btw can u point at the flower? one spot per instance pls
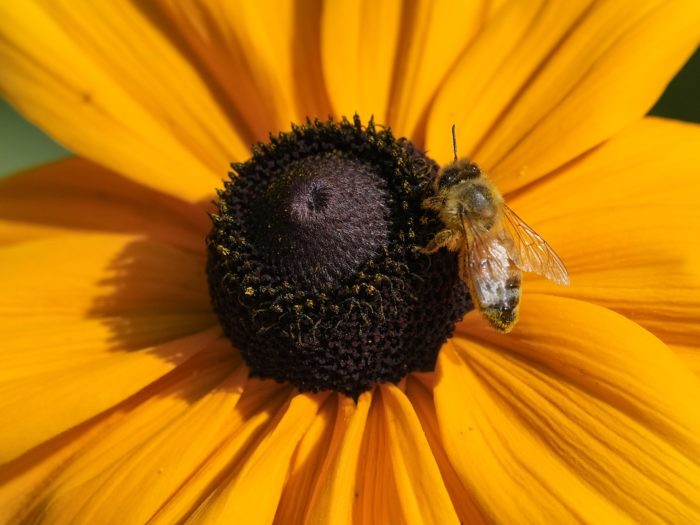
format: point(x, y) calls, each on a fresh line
point(122, 402)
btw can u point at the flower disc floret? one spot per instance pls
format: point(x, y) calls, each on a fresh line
point(314, 267)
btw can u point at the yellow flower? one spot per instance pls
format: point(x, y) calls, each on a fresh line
point(123, 403)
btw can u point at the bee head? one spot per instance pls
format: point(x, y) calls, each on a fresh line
point(456, 172)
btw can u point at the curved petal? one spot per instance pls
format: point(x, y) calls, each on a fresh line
point(38, 407)
point(246, 427)
point(306, 464)
point(690, 354)
point(100, 275)
point(421, 490)
point(262, 57)
point(624, 218)
point(76, 194)
point(333, 496)
point(376, 499)
point(359, 44)
point(239, 497)
point(433, 34)
point(107, 83)
point(91, 319)
point(570, 75)
point(155, 446)
point(474, 93)
point(422, 400)
point(595, 416)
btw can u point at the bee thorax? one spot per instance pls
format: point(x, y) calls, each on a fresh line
point(477, 201)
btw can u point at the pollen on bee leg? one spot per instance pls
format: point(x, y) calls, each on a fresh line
point(442, 238)
point(433, 203)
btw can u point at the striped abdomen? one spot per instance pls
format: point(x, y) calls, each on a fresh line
point(494, 281)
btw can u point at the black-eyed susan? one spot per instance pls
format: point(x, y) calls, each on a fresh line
point(123, 402)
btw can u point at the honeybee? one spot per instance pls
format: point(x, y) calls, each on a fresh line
point(495, 246)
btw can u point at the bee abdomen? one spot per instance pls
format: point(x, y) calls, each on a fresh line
point(503, 314)
point(502, 320)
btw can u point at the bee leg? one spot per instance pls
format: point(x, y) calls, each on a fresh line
point(433, 203)
point(442, 238)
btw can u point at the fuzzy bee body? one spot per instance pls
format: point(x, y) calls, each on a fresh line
point(495, 246)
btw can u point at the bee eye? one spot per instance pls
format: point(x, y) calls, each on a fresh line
point(449, 178)
point(473, 170)
point(458, 172)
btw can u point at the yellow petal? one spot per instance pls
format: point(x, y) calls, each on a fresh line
point(246, 427)
point(575, 76)
point(76, 194)
point(67, 344)
point(240, 496)
point(421, 491)
point(462, 500)
point(39, 406)
point(91, 319)
point(311, 87)
point(359, 44)
point(12, 231)
point(333, 496)
point(306, 464)
point(590, 412)
point(623, 218)
point(376, 499)
point(433, 35)
point(95, 275)
point(487, 76)
point(23, 479)
point(261, 57)
point(130, 470)
point(106, 81)
point(689, 354)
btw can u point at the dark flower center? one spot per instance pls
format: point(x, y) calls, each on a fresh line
point(314, 268)
point(321, 218)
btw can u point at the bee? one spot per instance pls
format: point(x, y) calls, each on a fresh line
point(495, 246)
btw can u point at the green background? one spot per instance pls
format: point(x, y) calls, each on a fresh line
point(23, 145)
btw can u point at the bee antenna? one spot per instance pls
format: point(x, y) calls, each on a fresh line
point(454, 141)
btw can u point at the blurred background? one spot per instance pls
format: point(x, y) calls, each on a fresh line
point(22, 145)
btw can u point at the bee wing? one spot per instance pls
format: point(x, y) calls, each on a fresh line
point(532, 252)
point(489, 262)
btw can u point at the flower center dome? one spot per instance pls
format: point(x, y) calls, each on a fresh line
point(314, 264)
